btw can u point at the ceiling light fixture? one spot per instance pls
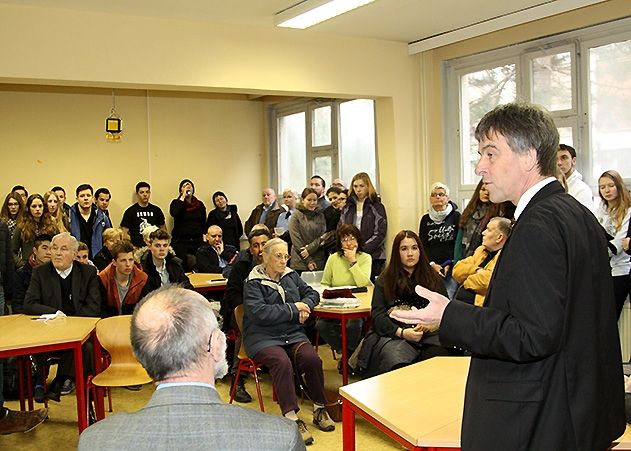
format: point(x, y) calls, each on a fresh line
point(311, 12)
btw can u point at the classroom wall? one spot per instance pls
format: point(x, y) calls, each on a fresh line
point(55, 136)
point(56, 47)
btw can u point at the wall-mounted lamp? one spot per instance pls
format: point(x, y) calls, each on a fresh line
point(113, 123)
point(311, 12)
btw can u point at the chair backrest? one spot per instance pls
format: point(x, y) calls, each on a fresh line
point(114, 334)
point(238, 317)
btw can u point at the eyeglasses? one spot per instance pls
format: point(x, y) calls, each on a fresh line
point(348, 239)
point(438, 195)
point(13, 204)
point(281, 256)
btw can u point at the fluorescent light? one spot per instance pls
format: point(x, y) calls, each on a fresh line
point(311, 12)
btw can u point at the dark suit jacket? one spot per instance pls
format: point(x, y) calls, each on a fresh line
point(191, 418)
point(44, 292)
point(545, 372)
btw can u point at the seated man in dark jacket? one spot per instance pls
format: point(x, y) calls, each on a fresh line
point(123, 282)
point(214, 256)
point(72, 288)
point(160, 265)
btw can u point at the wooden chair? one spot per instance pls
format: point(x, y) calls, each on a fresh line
point(124, 370)
point(245, 362)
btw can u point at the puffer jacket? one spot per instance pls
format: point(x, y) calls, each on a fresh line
point(271, 317)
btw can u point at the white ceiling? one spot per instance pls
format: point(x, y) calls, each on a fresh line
point(395, 20)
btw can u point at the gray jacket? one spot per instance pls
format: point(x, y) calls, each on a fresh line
point(306, 229)
point(271, 317)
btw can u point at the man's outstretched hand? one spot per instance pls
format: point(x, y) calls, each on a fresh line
point(432, 314)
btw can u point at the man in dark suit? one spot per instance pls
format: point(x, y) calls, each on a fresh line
point(175, 335)
point(545, 371)
point(70, 288)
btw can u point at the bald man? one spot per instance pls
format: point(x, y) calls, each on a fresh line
point(266, 212)
point(175, 336)
point(214, 256)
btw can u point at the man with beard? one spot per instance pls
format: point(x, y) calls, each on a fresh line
point(175, 335)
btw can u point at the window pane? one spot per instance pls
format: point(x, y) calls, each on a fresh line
point(322, 167)
point(292, 159)
point(565, 136)
point(552, 81)
point(321, 126)
point(481, 92)
point(609, 100)
point(357, 139)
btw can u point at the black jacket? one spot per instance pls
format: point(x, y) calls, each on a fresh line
point(7, 264)
point(174, 268)
point(208, 259)
point(44, 292)
point(231, 227)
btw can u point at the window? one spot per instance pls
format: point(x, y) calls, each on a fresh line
point(583, 78)
point(329, 138)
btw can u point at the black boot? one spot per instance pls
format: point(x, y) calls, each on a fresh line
point(240, 394)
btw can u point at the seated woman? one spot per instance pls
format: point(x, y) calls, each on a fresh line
point(348, 266)
point(389, 344)
point(276, 303)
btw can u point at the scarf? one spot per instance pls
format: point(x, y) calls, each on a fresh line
point(194, 205)
point(439, 216)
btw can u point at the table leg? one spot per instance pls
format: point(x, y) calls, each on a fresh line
point(80, 391)
point(21, 382)
point(29, 381)
point(348, 426)
point(99, 405)
point(344, 353)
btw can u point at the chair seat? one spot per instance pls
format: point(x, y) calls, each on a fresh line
point(122, 376)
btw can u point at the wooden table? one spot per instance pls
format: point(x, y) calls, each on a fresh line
point(624, 442)
point(344, 314)
point(419, 406)
point(22, 335)
point(203, 281)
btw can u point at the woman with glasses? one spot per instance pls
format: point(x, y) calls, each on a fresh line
point(306, 227)
point(33, 221)
point(438, 229)
point(277, 302)
point(613, 213)
point(11, 209)
point(365, 210)
point(349, 266)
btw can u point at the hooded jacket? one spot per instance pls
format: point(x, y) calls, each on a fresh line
point(111, 304)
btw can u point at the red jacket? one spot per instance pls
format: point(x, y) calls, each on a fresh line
point(109, 292)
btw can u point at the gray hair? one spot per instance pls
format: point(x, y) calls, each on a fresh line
point(524, 126)
point(74, 244)
point(504, 225)
point(267, 249)
point(293, 191)
point(171, 330)
point(439, 185)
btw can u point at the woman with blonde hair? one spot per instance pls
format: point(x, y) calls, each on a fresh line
point(56, 212)
point(613, 214)
point(365, 210)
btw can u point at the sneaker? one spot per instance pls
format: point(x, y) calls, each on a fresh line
point(304, 432)
point(38, 393)
point(67, 387)
point(22, 421)
point(322, 419)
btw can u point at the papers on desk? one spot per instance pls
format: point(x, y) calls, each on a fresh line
point(216, 281)
point(49, 316)
point(339, 303)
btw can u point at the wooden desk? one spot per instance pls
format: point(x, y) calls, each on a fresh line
point(624, 442)
point(344, 314)
point(420, 406)
point(21, 335)
point(202, 281)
